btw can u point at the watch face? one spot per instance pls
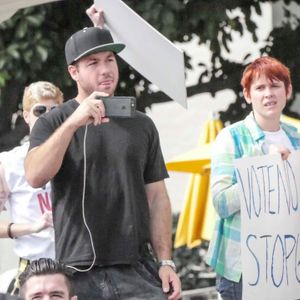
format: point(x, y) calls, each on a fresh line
point(166, 262)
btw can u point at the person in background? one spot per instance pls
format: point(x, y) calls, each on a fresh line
point(30, 222)
point(266, 86)
point(111, 207)
point(45, 279)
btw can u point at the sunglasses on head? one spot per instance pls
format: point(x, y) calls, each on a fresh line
point(40, 109)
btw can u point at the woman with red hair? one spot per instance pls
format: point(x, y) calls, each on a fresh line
point(266, 86)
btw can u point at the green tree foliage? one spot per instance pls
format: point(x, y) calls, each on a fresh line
point(32, 48)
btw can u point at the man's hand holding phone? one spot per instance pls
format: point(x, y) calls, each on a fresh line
point(90, 110)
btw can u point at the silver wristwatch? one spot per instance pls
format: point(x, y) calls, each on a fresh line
point(167, 262)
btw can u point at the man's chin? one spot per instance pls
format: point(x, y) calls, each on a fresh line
point(108, 91)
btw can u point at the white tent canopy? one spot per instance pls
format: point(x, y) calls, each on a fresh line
point(9, 7)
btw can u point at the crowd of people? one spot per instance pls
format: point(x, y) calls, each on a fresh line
point(104, 229)
point(110, 207)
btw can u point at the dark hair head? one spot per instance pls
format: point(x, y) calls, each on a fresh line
point(88, 41)
point(47, 266)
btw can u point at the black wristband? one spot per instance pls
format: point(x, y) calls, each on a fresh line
point(9, 230)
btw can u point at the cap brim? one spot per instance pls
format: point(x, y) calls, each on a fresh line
point(113, 47)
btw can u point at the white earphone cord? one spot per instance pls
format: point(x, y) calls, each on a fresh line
point(83, 208)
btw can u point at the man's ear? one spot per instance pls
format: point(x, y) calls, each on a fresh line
point(247, 96)
point(26, 116)
point(73, 71)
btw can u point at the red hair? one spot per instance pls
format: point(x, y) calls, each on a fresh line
point(272, 68)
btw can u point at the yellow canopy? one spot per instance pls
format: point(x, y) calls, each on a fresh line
point(193, 161)
point(293, 121)
point(197, 219)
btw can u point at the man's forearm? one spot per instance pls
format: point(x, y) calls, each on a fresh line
point(161, 232)
point(43, 162)
point(161, 223)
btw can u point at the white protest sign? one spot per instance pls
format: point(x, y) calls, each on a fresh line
point(147, 50)
point(269, 190)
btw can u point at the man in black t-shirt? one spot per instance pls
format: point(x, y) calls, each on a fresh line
point(110, 204)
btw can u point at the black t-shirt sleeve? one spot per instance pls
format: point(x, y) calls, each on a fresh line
point(40, 132)
point(155, 168)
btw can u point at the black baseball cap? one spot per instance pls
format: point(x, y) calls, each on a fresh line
point(90, 40)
